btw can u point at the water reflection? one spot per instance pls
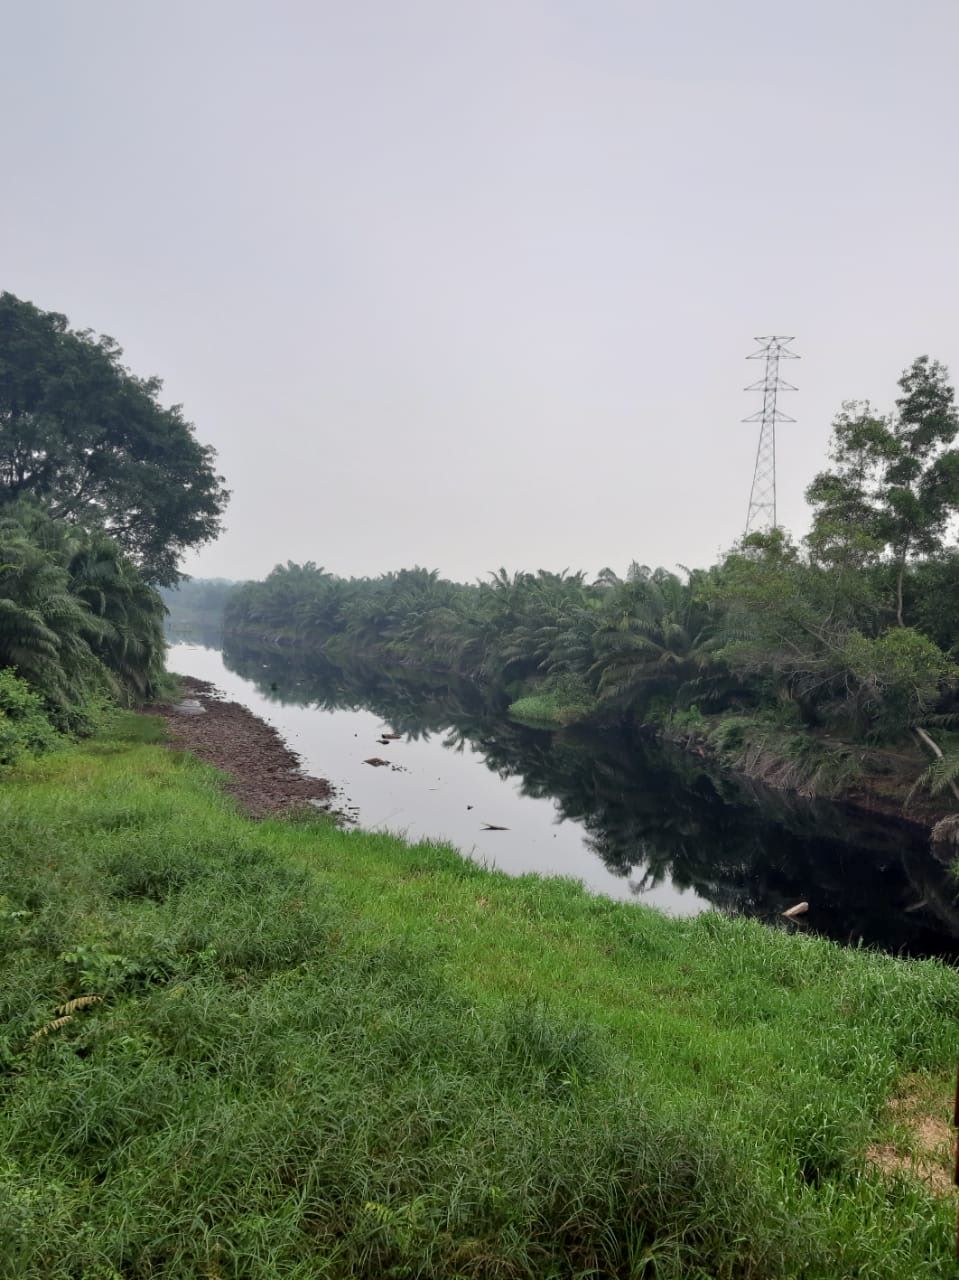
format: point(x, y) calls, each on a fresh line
point(657, 815)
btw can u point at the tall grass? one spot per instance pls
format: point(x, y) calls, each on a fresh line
point(321, 1053)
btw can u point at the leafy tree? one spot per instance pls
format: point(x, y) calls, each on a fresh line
point(774, 628)
point(809, 634)
point(894, 485)
point(932, 599)
point(896, 678)
point(84, 435)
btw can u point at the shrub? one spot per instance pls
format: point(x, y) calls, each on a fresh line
point(24, 727)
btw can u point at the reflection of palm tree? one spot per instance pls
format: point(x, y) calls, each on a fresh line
point(653, 813)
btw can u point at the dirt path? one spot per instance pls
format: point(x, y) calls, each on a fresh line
point(263, 773)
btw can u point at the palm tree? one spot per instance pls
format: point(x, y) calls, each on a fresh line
point(46, 632)
point(653, 640)
point(130, 643)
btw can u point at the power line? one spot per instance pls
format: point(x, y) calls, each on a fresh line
point(762, 497)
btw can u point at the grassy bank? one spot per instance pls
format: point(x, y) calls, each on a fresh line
point(781, 755)
point(241, 1050)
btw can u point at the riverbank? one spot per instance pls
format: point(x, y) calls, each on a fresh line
point(805, 762)
point(863, 778)
point(634, 818)
point(259, 768)
point(757, 747)
point(280, 1048)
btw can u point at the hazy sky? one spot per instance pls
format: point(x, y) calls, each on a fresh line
point(466, 284)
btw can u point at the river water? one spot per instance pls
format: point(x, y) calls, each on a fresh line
point(629, 820)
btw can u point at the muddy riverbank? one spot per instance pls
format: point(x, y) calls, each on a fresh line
point(263, 773)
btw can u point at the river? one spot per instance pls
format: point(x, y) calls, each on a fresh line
point(628, 819)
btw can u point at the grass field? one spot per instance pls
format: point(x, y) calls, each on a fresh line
point(234, 1050)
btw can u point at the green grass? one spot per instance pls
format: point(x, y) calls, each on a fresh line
point(327, 1053)
point(543, 709)
point(556, 701)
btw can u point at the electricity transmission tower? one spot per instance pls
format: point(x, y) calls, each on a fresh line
point(762, 498)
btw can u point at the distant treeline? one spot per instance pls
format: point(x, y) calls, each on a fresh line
point(851, 635)
point(196, 605)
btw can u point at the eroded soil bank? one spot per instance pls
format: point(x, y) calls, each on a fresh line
point(262, 772)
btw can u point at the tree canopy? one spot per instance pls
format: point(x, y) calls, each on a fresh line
point(894, 485)
point(89, 439)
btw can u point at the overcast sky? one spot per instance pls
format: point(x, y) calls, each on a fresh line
point(469, 284)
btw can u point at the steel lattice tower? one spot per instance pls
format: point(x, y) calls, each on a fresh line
point(762, 498)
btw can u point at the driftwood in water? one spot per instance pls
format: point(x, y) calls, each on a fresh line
point(799, 909)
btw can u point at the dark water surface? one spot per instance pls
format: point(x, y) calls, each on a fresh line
point(629, 819)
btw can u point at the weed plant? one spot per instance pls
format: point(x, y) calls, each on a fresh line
point(792, 759)
point(25, 728)
point(285, 1050)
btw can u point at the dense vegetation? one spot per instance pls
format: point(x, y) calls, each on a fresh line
point(285, 1050)
point(100, 491)
point(79, 629)
point(80, 433)
point(653, 811)
point(849, 639)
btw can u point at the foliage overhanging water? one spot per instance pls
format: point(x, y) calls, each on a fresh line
point(630, 819)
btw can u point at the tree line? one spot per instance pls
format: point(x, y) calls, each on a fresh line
point(850, 633)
